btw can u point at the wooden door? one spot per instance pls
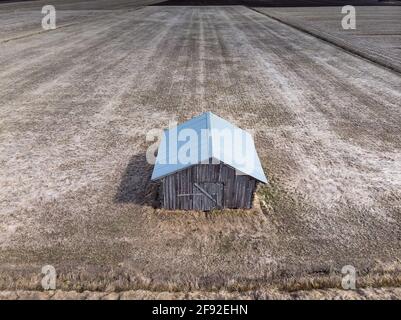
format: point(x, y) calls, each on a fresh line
point(209, 196)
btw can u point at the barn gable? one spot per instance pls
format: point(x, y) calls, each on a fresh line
point(206, 187)
point(207, 137)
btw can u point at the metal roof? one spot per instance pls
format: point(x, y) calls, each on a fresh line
point(206, 137)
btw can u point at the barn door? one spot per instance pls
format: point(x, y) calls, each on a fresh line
point(210, 196)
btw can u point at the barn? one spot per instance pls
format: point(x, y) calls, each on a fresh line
point(207, 163)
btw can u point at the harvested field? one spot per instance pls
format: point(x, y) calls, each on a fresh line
point(76, 106)
point(377, 35)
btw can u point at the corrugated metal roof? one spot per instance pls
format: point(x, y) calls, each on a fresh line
point(203, 138)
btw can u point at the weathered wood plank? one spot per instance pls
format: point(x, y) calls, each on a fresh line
point(232, 190)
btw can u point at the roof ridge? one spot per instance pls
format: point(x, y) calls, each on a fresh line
point(209, 131)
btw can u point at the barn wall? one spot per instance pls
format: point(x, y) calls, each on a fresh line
point(238, 189)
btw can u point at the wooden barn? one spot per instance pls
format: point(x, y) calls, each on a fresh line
point(207, 163)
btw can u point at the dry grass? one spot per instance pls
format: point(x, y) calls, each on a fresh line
point(270, 294)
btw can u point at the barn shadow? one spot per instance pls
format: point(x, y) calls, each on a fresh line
point(136, 186)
